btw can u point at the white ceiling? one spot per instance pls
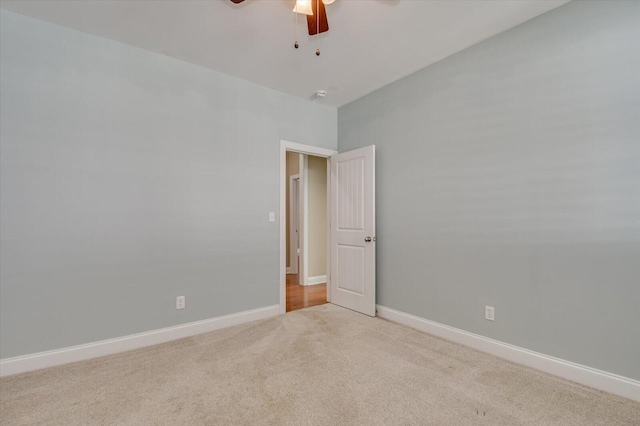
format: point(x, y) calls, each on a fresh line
point(371, 43)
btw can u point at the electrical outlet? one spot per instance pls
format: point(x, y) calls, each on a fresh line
point(489, 313)
point(180, 302)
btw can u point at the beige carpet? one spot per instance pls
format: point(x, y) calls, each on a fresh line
point(319, 366)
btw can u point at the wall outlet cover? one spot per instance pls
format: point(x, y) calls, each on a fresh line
point(180, 302)
point(489, 313)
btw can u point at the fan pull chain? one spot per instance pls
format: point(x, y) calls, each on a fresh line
point(296, 45)
point(318, 23)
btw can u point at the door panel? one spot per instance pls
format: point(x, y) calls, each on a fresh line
point(353, 252)
point(350, 175)
point(351, 269)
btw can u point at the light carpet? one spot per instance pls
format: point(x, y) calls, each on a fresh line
point(319, 366)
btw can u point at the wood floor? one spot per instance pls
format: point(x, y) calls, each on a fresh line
point(304, 296)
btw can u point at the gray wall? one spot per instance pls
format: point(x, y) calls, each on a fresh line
point(129, 178)
point(509, 175)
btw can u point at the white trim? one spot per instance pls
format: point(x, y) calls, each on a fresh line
point(328, 265)
point(304, 149)
point(598, 379)
point(303, 275)
point(294, 221)
point(21, 364)
point(318, 279)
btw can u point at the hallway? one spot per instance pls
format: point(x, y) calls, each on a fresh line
point(304, 296)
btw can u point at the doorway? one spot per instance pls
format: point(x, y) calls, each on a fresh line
point(308, 285)
point(306, 230)
point(350, 227)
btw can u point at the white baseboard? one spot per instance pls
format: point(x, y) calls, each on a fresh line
point(598, 379)
point(21, 364)
point(318, 279)
point(289, 271)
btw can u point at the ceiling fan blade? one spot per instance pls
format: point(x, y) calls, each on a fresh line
point(319, 18)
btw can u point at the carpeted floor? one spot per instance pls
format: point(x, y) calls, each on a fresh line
point(318, 366)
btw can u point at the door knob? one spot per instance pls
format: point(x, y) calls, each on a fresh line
point(367, 239)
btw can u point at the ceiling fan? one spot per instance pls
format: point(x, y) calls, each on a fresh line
point(311, 8)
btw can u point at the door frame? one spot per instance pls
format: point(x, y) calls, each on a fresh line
point(309, 150)
point(294, 219)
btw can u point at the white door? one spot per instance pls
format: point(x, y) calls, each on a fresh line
point(353, 227)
